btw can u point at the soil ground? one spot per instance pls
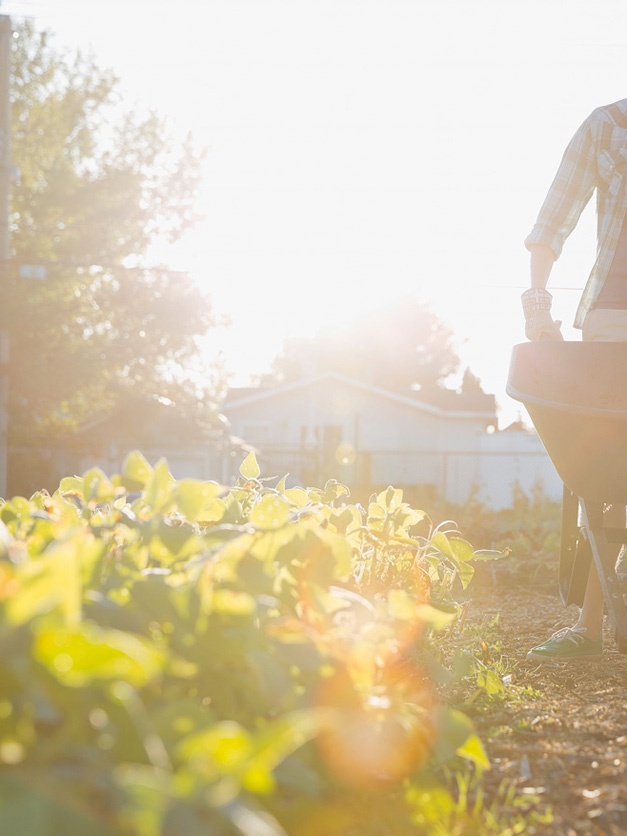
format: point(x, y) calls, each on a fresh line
point(559, 731)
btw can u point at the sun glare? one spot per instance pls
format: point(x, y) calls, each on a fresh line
point(361, 151)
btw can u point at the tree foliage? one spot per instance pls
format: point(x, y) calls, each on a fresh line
point(402, 346)
point(98, 185)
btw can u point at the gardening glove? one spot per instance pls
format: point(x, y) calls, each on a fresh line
point(539, 324)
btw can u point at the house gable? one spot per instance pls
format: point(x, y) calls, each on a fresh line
point(330, 409)
point(448, 404)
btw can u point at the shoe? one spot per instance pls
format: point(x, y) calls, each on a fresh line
point(569, 643)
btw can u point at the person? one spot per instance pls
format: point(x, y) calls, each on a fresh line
point(595, 160)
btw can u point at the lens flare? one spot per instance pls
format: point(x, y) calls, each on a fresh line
point(378, 740)
point(345, 454)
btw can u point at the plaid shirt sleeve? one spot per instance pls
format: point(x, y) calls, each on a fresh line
point(570, 191)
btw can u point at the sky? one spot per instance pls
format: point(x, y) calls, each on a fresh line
point(363, 151)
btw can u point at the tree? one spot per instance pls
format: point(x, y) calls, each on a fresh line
point(97, 186)
point(402, 347)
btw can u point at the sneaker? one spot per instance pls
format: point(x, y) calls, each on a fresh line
point(569, 643)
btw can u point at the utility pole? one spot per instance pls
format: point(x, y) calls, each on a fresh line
point(6, 35)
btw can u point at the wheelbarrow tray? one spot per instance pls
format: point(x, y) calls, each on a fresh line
point(576, 396)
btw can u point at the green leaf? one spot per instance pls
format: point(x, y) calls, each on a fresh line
point(334, 490)
point(466, 573)
point(434, 617)
point(192, 495)
point(52, 582)
point(277, 741)
point(159, 487)
point(432, 804)
point(390, 499)
point(89, 653)
point(175, 541)
point(223, 748)
point(297, 497)
point(232, 602)
point(455, 729)
point(462, 549)
point(410, 517)
point(442, 543)
point(249, 468)
point(97, 487)
point(341, 521)
point(270, 513)
point(257, 778)
point(490, 681)
point(72, 485)
point(213, 512)
point(474, 751)
point(491, 554)
point(136, 471)
point(376, 510)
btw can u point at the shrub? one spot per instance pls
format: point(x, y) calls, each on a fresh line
point(185, 657)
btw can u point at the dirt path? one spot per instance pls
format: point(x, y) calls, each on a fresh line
point(560, 730)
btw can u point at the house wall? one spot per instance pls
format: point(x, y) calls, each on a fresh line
point(515, 457)
point(334, 430)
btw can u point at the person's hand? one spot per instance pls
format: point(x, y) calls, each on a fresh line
point(539, 324)
point(542, 326)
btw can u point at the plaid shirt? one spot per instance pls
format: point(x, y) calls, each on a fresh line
point(596, 158)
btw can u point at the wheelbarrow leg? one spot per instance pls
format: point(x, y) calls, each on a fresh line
point(575, 555)
point(604, 559)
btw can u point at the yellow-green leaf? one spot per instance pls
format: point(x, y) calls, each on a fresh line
point(270, 513)
point(442, 543)
point(232, 602)
point(390, 499)
point(159, 487)
point(212, 512)
point(297, 497)
point(87, 653)
point(192, 495)
point(473, 751)
point(490, 681)
point(136, 469)
point(52, 582)
point(258, 779)
point(225, 747)
point(466, 573)
point(375, 512)
point(249, 468)
point(97, 486)
point(461, 549)
point(435, 618)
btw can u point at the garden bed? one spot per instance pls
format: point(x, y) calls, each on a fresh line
point(559, 732)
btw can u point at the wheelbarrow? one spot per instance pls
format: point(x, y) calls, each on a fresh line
point(576, 396)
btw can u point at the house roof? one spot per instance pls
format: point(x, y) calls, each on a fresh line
point(443, 403)
point(143, 421)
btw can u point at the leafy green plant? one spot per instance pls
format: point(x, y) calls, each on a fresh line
point(527, 534)
point(187, 657)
